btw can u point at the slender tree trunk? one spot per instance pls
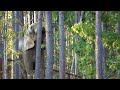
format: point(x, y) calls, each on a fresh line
point(31, 19)
point(118, 28)
point(21, 24)
point(38, 69)
point(62, 45)
point(16, 29)
point(35, 16)
point(99, 72)
point(118, 25)
point(49, 46)
point(77, 16)
point(81, 17)
point(1, 52)
point(28, 21)
point(1, 44)
point(104, 52)
point(5, 49)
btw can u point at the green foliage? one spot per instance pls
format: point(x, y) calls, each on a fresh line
point(111, 40)
point(110, 17)
point(84, 44)
point(85, 30)
point(69, 18)
point(85, 51)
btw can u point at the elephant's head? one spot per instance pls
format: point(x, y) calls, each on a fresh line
point(30, 36)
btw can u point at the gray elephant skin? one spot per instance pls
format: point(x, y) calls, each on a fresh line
point(27, 45)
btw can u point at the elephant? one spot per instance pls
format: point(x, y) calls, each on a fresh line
point(27, 45)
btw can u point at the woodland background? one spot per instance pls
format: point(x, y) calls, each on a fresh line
point(77, 44)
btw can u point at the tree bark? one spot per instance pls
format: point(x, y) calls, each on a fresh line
point(49, 46)
point(38, 64)
point(104, 51)
point(118, 25)
point(5, 48)
point(62, 45)
point(99, 72)
point(16, 29)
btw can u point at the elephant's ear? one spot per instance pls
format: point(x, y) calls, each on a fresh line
point(28, 43)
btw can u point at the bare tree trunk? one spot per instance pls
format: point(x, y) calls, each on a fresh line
point(99, 71)
point(104, 52)
point(31, 17)
point(1, 52)
point(77, 16)
point(75, 39)
point(118, 25)
point(16, 29)
point(81, 17)
point(21, 24)
point(38, 64)
point(49, 46)
point(118, 30)
point(5, 48)
point(1, 44)
point(35, 16)
point(62, 45)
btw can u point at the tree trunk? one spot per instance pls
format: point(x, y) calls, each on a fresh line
point(16, 29)
point(118, 30)
point(1, 52)
point(99, 72)
point(38, 64)
point(49, 46)
point(62, 45)
point(5, 49)
point(118, 25)
point(21, 24)
point(104, 52)
point(77, 16)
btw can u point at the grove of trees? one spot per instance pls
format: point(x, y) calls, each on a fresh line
point(59, 44)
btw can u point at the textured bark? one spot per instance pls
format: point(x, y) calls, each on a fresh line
point(38, 64)
point(99, 72)
point(21, 18)
point(35, 16)
point(5, 48)
point(62, 45)
point(31, 21)
point(118, 25)
point(81, 16)
point(118, 28)
point(1, 45)
point(16, 29)
point(49, 46)
point(22, 72)
point(1, 68)
point(104, 51)
point(77, 16)
point(1, 53)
